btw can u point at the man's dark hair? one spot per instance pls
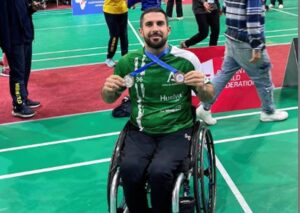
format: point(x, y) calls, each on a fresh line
point(153, 10)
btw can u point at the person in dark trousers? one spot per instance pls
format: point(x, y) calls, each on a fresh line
point(16, 36)
point(179, 11)
point(207, 14)
point(161, 118)
point(116, 16)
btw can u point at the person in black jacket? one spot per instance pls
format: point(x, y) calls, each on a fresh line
point(207, 14)
point(16, 36)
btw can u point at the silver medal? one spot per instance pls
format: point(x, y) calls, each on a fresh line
point(179, 77)
point(129, 81)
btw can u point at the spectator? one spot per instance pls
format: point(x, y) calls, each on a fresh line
point(245, 48)
point(207, 14)
point(16, 36)
point(116, 15)
point(179, 12)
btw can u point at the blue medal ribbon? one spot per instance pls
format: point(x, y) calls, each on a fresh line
point(141, 69)
point(161, 63)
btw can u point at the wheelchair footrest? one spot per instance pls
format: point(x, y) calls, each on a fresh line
point(186, 204)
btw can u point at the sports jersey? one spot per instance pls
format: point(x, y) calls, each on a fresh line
point(115, 6)
point(159, 104)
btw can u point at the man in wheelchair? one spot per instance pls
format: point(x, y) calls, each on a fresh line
point(160, 79)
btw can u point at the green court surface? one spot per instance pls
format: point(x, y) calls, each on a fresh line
point(60, 164)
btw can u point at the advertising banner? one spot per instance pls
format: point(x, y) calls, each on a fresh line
point(239, 93)
point(83, 7)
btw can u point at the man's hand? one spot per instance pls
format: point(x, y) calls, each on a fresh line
point(207, 7)
point(194, 78)
point(198, 80)
point(256, 55)
point(37, 6)
point(112, 88)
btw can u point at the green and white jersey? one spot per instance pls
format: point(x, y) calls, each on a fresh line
point(159, 104)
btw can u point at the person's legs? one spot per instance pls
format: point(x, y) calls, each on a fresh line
point(28, 57)
point(112, 25)
point(202, 30)
point(179, 11)
point(259, 72)
point(16, 59)
point(171, 150)
point(169, 10)
point(136, 155)
point(123, 33)
point(214, 23)
point(229, 68)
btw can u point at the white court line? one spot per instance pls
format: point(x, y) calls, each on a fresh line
point(55, 168)
point(135, 33)
point(233, 187)
point(281, 11)
point(256, 136)
point(97, 54)
point(78, 50)
point(250, 113)
point(59, 142)
point(140, 42)
point(71, 26)
point(68, 166)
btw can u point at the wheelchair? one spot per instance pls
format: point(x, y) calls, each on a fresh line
point(196, 181)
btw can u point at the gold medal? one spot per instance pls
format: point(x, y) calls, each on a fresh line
point(179, 77)
point(129, 81)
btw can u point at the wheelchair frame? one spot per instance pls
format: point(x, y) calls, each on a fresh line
point(200, 171)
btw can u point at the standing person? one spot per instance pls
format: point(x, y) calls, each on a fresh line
point(245, 48)
point(169, 10)
point(161, 117)
point(207, 14)
point(16, 36)
point(116, 15)
point(280, 4)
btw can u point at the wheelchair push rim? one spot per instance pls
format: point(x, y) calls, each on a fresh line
point(204, 173)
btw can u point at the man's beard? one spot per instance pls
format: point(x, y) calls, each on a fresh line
point(156, 45)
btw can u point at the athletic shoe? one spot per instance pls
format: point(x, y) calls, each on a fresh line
point(110, 63)
point(5, 72)
point(278, 115)
point(280, 6)
point(271, 5)
point(205, 115)
point(180, 18)
point(32, 104)
point(182, 45)
point(22, 111)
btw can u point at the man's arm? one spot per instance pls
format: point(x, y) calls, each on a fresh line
point(112, 88)
point(205, 91)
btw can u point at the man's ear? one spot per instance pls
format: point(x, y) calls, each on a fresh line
point(141, 32)
point(169, 30)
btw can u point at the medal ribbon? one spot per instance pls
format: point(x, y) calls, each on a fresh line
point(161, 63)
point(141, 69)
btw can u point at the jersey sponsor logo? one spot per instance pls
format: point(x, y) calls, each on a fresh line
point(171, 97)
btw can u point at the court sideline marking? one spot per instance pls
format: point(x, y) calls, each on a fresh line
point(238, 195)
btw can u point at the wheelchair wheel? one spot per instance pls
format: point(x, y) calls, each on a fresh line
point(117, 205)
point(204, 173)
